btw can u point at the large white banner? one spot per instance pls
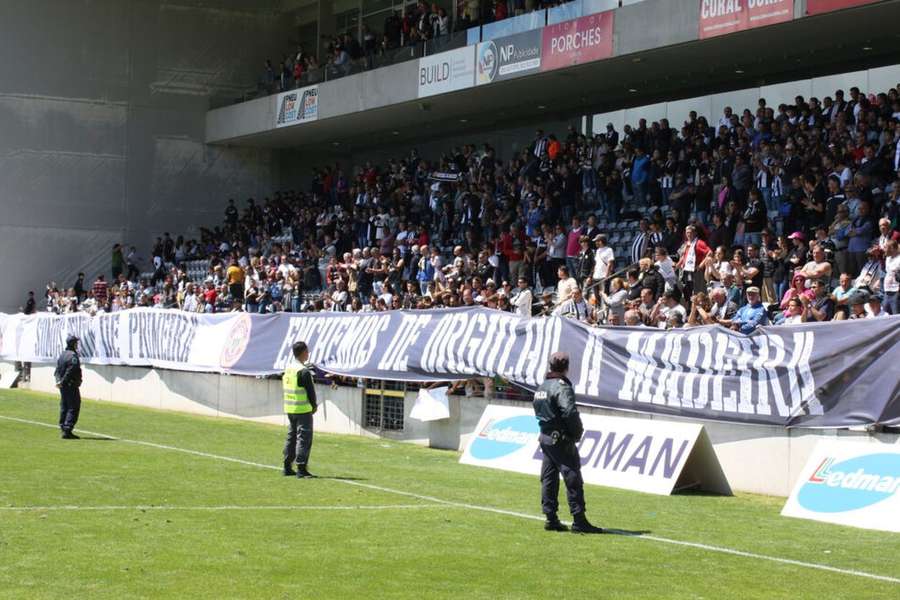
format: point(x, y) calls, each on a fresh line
point(632, 454)
point(850, 483)
point(447, 72)
point(297, 106)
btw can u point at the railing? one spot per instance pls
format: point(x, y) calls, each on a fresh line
point(458, 39)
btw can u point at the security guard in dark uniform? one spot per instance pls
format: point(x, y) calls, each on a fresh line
point(299, 406)
point(561, 429)
point(68, 380)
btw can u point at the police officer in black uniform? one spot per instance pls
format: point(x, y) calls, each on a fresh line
point(68, 380)
point(561, 429)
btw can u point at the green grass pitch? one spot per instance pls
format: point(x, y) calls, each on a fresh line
point(117, 519)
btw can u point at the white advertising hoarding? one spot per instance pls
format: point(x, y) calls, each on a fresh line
point(297, 106)
point(446, 72)
point(849, 483)
point(656, 457)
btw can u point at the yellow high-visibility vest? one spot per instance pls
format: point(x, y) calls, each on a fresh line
point(296, 400)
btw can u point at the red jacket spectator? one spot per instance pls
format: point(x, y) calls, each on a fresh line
point(101, 290)
point(507, 244)
point(500, 10)
point(700, 252)
point(553, 148)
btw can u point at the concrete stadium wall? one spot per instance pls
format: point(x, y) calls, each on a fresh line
point(757, 459)
point(102, 126)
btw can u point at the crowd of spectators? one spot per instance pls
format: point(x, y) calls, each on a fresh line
point(772, 215)
point(414, 26)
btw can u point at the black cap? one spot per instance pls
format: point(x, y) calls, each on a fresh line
point(71, 338)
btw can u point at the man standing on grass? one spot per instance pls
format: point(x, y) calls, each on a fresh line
point(561, 429)
point(299, 405)
point(68, 380)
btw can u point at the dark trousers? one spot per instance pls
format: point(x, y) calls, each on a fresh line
point(299, 439)
point(69, 407)
point(561, 458)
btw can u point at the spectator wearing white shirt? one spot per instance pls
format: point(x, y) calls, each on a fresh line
point(604, 259)
point(874, 308)
point(566, 286)
point(885, 233)
point(891, 284)
point(523, 299)
point(665, 307)
point(725, 120)
point(666, 267)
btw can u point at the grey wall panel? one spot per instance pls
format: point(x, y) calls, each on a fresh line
point(103, 109)
point(363, 91)
point(241, 119)
point(341, 96)
point(397, 83)
point(31, 258)
point(655, 23)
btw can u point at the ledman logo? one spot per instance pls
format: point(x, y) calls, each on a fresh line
point(499, 438)
point(852, 484)
point(236, 342)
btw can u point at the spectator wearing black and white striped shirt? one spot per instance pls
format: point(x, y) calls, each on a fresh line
point(640, 246)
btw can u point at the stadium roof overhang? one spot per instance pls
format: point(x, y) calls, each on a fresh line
point(808, 47)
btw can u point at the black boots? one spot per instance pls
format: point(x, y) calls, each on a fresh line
point(300, 473)
point(554, 524)
point(582, 525)
point(68, 435)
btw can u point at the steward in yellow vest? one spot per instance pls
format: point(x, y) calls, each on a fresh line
point(299, 392)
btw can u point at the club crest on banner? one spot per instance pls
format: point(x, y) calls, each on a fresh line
point(236, 342)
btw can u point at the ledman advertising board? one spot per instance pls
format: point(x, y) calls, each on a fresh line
point(850, 483)
point(645, 455)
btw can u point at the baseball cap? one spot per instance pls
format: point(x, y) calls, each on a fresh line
point(858, 297)
point(752, 290)
point(797, 235)
point(599, 237)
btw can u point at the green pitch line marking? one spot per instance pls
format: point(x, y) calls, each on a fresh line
point(489, 509)
point(214, 508)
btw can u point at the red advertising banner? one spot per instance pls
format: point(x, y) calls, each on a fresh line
point(577, 41)
point(718, 17)
point(817, 7)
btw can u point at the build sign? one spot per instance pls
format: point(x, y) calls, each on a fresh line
point(446, 72)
